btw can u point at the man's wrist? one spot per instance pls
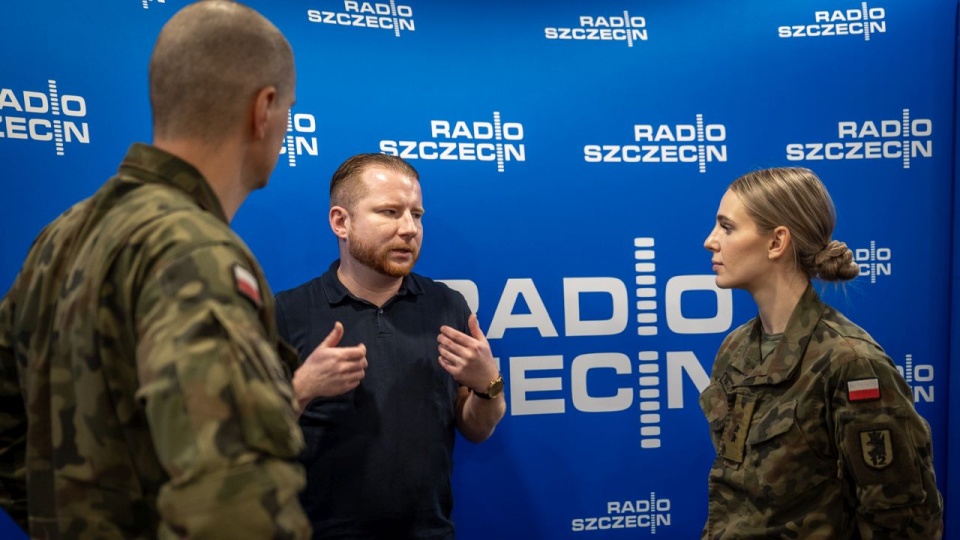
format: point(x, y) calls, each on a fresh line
point(302, 400)
point(493, 389)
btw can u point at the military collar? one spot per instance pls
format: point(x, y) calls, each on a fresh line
point(785, 358)
point(336, 292)
point(157, 166)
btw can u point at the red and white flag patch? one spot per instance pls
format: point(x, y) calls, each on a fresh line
point(863, 389)
point(247, 285)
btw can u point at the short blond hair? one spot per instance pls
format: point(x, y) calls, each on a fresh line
point(209, 59)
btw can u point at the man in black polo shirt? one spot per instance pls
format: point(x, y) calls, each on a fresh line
point(404, 362)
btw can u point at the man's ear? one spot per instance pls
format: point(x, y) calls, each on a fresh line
point(262, 109)
point(779, 243)
point(339, 221)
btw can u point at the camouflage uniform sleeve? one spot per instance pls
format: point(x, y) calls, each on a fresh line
point(885, 452)
point(13, 422)
point(219, 405)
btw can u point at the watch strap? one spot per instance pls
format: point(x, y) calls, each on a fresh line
point(481, 395)
point(496, 382)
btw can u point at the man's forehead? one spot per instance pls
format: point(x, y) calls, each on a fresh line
point(376, 174)
point(382, 174)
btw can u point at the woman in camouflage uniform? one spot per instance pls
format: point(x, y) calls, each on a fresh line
point(815, 430)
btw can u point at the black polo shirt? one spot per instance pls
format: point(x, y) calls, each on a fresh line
point(379, 458)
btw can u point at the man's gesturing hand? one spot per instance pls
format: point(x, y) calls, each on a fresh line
point(330, 370)
point(467, 358)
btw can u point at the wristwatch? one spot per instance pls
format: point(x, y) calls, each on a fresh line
point(494, 389)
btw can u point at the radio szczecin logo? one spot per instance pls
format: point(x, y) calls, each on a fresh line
point(301, 137)
point(903, 139)
point(699, 143)
point(874, 261)
point(920, 379)
point(382, 16)
point(458, 140)
point(46, 117)
point(640, 514)
point(865, 21)
point(654, 379)
point(625, 27)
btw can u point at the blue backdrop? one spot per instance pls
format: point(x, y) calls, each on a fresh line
point(572, 157)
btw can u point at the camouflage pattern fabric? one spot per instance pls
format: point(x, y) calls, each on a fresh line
point(142, 387)
point(819, 440)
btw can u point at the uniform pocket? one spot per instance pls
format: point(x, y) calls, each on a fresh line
point(776, 422)
point(784, 465)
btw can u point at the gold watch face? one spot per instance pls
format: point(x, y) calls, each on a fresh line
point(496, 387)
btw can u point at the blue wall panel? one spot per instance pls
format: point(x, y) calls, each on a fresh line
point(581, 248)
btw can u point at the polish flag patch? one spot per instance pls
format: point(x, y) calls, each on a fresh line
point(247, 285)
point(863, 389)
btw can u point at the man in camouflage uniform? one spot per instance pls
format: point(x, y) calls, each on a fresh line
point(817, 440)
point(142, 390)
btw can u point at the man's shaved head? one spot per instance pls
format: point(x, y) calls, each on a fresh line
point(209, 60)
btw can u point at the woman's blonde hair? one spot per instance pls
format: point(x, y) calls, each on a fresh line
point(795, 198)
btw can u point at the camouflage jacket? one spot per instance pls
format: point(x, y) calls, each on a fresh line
point(819, 440)
point(142, 392)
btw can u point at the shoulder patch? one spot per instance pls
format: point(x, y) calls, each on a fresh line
point(876, 448)
point(863, 389)
point(246, 284)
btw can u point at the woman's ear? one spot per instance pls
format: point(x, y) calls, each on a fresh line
point(780, 240)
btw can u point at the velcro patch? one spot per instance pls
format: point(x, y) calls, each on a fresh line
point(735, 435)
point(246, 284)
point(876, 448)
point(863, 390)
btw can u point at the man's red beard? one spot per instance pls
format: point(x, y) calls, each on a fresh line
point(378, 257)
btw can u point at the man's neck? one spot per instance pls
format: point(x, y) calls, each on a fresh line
point(221, 166)
point(367, 283)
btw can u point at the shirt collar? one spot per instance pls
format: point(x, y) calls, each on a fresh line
point(336, 292)
point(783, 361)
point(153, 165)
